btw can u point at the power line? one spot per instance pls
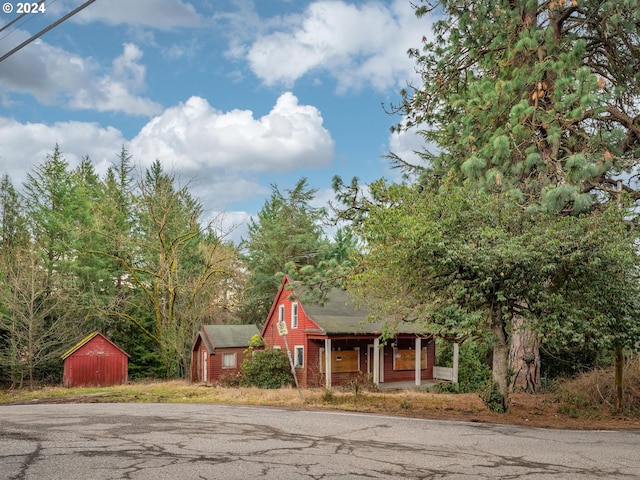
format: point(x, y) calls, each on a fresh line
point(3, 28)
point(45, 30)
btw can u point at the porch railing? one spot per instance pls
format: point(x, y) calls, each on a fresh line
point(443, 373)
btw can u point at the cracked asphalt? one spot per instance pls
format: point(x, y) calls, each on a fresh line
point(189, 441)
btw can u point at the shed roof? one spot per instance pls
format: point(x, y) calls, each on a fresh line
point(86, 340)
point(227, 336)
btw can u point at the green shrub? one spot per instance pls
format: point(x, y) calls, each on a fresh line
point(267, 368)
point(494, 399)
point(474, 373)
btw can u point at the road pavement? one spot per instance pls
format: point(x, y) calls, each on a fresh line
point(191, 441)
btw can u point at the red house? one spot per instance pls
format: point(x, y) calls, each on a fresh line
point(340, 327)
point(95, 361)
point(219, 350)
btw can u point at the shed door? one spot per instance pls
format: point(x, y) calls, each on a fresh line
point(107, 370)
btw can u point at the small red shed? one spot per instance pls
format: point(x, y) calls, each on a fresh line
point(219, 350)
point(95, 361)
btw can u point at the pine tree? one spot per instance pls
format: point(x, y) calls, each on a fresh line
point(285, 237)
point(535, 102)
point(536, 99)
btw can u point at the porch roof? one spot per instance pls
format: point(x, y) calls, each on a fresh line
point(341, 315)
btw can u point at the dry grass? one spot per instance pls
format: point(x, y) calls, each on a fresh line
point(534, 410)
point(594, 391)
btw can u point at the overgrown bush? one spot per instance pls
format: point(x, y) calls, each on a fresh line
point(494, 399)
point(590, 391)
point(357, 384)
point(230, 380)
point(474, 373)
point(267, 368)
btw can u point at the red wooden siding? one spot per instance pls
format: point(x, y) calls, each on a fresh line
point(309, 335)
point(215, 368)
point(97, 362)
point(213, 362)
point(295, 336)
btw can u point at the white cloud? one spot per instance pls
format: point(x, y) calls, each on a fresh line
point(116, 91)
point(160, 14)
point(56, 76)
point(357, 45)
point(405, 144)
point(25, 145)
point(194, 136)
point(220, 154)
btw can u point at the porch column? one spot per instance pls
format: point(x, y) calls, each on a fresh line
point(418, 360)
point(376, 361)
point(327, 362)
point(456, 353)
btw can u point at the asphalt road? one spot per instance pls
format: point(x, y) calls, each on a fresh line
point(188, 441)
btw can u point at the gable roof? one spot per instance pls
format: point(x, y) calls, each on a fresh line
point(86, 340)
point(340, 313)
point(227, 336)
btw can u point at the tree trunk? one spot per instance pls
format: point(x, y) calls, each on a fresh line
point(619, 378)
point(524, 358)
point(500, 370)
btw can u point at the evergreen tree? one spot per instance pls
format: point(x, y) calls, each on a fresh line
point(51, 207)
point(13, 231)
point(13, 238)
point(177, 269)
point(537, 100)
point(465, 262)
point(285, 237)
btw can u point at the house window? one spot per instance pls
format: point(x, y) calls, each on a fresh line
point(281, 313)
point(229, 360)
point(298, 355)
point(294, 315)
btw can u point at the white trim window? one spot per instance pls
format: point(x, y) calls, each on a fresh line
point(298, 356)
point(228, 360)
point(281, 313)
point(294, 315)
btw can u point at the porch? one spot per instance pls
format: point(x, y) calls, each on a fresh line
point(406, 362)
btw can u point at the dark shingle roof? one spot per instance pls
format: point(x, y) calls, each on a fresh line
point(341, 314)
point(228, 336)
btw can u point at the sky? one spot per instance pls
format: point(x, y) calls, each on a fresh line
point(231, 96)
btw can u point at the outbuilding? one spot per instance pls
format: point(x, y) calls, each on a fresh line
point(95, 361)
point(219, 350)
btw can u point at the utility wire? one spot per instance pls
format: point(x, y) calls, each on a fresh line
point(4, 27)
point(45, 30)
point(24, 22)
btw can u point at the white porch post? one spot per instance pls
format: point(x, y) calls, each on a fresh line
point(376, 361)
point(456, 353)
point(418, 360)
point(327, 362)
